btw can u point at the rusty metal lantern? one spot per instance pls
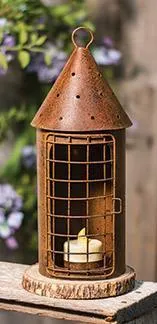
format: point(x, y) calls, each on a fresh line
point(81, 180)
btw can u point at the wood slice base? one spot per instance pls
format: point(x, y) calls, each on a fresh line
point(36, 283)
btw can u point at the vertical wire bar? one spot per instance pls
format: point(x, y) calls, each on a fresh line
point(87, 201)
point(47, 201)
point(68, 219)
point(53, 201)
point(48, 207)
point(105, 204)
point(114, 194)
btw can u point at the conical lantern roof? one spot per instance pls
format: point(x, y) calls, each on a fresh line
point(81, 100)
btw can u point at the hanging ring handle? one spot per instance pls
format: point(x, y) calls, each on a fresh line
point(87, 30)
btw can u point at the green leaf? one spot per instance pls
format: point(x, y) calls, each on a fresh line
point(12, 166)
point(89, 25)
point(23, 36)
point(40, 26)
point(11, 169)
point(24, 58)
point(3, 61)
point(25, 179)
point(41, 40)
point(1, 35)
point(61, 10)
point(12, 113)
point(72, 17)
point(108, 73)
point(34, 37)
point(33, 241)
point(48, 58)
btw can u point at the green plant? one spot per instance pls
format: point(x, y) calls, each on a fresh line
point(38, 38)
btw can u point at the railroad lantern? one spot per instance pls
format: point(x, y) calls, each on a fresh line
point(81, 185)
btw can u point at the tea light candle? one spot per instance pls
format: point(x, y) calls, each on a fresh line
point(80, 246)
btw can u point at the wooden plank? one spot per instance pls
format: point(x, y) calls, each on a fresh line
point(141, 98)
point(149, 318)
point(139, 92)
point(51, 313)
point(116, 310)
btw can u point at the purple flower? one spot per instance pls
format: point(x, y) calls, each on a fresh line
point(2, 71)
point(47, 74)
point(7, 196)
point(29, 156)
point(3, 22)
point(114, 56)
point(108, 42)
point(50, 73)
point(106, 54)
point(11, 243)
point(9, 41)
point(5, 230)
point(41, 20)
point(15, 220)
point(6, 45)
point(10, 213)
point(18, 203)
point(106, 57)
point(2, 217)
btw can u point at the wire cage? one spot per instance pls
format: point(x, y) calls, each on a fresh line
point(80, 175)
point(80, 194)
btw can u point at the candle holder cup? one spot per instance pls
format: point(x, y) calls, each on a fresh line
point(81, 186)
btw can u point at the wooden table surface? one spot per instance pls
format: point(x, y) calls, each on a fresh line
point(123, 309)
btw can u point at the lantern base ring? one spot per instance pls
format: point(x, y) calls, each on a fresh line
point(38, 284)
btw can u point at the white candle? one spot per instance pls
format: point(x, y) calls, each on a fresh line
point(80, 246)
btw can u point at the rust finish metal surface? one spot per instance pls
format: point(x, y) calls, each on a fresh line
point(82, 266)
point(93, 196)
point(81, 173)
point(81, 100)
point(41, 184)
